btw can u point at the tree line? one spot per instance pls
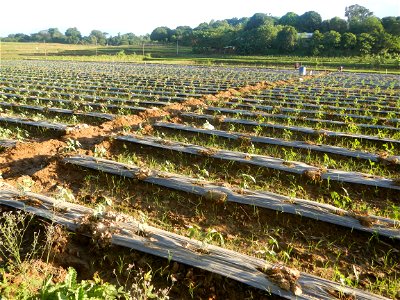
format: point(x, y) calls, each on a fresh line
point(361, 33)
point(73, 36)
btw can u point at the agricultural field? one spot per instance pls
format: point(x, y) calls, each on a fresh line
point(199, 182)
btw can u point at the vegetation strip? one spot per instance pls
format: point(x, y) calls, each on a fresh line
point(218, 194)
point(313, 120)
point(274, 141)
point(265, 161)
point(130, 233)
point(260, 100)
point(42, 109)
point(316, 108)
point(61, 128)
point(326, 97)
point(305, 130)
point(86, 105)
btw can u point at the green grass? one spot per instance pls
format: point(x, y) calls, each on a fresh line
point(161, 53)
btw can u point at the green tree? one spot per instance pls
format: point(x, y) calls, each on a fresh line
point(265, 37)
point(18, 37)
point(184, 34)
point(41, 36)
point(331, 41)
point(309, 22)
point(286, 39)
point(97, 37)
point(385, 43)
point(348, 41)
point(325, 26)
point(161, 34)
point(317, 43)
point(365, 43)
point(73, 35)
point(213, 37)
point(372, 24)
point(357, 13)
point(258, 20)
point(391, 25)
point(338, 24)
point(289, 19)
point(56, 36)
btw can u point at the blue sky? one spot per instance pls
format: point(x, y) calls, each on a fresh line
point(141, 17)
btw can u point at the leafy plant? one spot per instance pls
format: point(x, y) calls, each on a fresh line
point(70, 288)
point(72, 145)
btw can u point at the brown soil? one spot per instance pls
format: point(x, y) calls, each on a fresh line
point(41, 163)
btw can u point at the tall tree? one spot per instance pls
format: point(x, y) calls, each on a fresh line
point(258, 20)
point(338, 24)
point(309, 21)
point(391, 25)
point(289, 19)
point(356, 16)
point(357, 13)
point(365, 43)
point(317, 43)
point(286, 39)
point(161, 34)
point(348, 41)
point(73, 35)
point(331, 41)
point(98, 37)
point(56, 36)
point(184, 34)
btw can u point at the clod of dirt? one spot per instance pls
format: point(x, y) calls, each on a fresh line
point(193, 102)
point(143, 173)
point(153, 113)
point(165, 142)
point(286, 278)
point(216, 196)
point(77, 127)
point(341, 295)
point(288, 164)
point(388, 160)
point(32, 202)
point(100, 227)
point(314, 175)
point(220, 118)
point(247, 156)
point(206, 152)
point(147, 129)
point(364, 220)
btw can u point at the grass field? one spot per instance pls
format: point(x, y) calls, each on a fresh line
point(168, 54)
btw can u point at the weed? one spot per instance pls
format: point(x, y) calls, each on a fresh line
point(72, 145)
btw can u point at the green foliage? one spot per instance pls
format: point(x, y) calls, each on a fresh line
point(289, 19)
point(309, 21)
point(357, 13)
point(161, 34)
point(70, 288)
point(341, 201)
point(286, 39)
point(259, 34)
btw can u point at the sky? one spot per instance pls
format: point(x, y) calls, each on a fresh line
point(141, 17)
